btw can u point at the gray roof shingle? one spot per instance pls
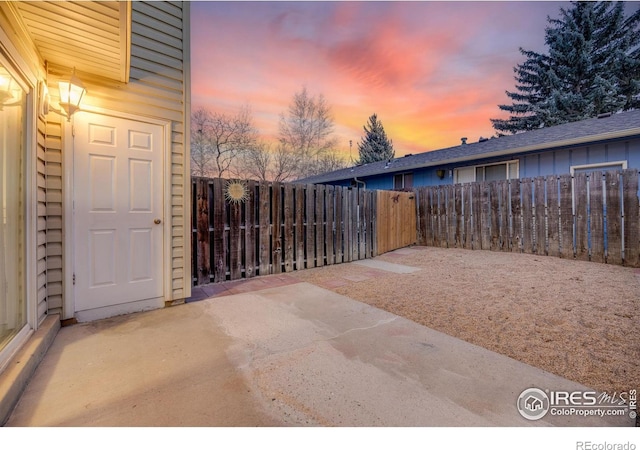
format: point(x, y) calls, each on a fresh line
point(619, 125)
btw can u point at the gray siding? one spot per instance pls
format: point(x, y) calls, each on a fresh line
point(53, 190)
point(159, 76)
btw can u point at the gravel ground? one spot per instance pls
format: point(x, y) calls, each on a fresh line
point(576, 319)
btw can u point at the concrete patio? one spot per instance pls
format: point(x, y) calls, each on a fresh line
point(274, 351)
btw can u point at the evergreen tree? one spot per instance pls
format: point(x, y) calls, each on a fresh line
point(375, 146)
point(592, 67)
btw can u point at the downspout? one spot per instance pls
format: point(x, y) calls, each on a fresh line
point(364, 185)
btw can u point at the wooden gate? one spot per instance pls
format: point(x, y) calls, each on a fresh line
point(396, 219)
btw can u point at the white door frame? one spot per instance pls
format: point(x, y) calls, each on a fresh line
point(68, 310)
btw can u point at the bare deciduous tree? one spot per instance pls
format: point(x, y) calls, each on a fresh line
point(201, 153)
point(218, 139)
point(306, 135)
point(255, 162)
point(264, 163)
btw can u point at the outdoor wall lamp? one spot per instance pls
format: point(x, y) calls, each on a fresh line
point(71, 93)
point(440, 173)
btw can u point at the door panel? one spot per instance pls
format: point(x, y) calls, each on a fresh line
point(118, 208)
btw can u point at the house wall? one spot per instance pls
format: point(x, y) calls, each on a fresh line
point(18, 44)
point(159, 88)
point(530, 165)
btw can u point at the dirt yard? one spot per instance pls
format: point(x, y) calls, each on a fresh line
point(579, 320)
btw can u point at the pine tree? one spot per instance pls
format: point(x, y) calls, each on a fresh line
point(375, 146)
point(592, 67)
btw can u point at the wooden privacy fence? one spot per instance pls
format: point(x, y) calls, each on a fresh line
point(587, 216)
point(278, 227)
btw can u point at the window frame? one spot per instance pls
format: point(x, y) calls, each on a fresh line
point(597, 166)
point(404, 178)
point(22, 72)
point(476, 166)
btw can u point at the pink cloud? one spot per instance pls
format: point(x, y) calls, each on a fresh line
point(432, 71)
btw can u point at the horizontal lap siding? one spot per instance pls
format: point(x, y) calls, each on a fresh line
point(44, 277)
point(156, 89)
point(53, 179)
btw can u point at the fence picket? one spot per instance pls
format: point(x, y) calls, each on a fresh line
point(235, 244)
point(311, 225)
point(614, 216)
point(494, 215)
point(567, 243)
point(553, 216)
point(596, 217)
point(503, 215)
point(527, 215)
point(516, 215)
point(631, 219)
point(264, 252)
point(299, 226)
point(288, 233)
point(467, 233)
point(203, 235)
point(540, 216)
point(250, 230)
point(338, 247)
point(581, 217)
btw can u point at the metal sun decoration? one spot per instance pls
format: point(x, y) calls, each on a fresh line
point(236, 191)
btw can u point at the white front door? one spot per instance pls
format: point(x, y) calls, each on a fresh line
point(118, 193)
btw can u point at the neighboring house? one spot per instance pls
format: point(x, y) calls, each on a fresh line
point(95, 209)
point(605, 143)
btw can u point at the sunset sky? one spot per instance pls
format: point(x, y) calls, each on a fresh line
point(433, 71)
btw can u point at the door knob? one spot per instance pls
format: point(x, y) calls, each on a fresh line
point(157, 221)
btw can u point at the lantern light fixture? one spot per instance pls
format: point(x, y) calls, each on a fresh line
point(71, 93)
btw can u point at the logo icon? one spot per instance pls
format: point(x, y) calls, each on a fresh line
point(533, 404)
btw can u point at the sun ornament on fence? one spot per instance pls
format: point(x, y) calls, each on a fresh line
point(236, 191)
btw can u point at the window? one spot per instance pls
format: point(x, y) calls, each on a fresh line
point(489, 172)
point(13, 308)
point(588, 168)
point(403, 181)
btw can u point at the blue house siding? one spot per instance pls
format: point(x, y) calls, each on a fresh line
point(540, 163)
